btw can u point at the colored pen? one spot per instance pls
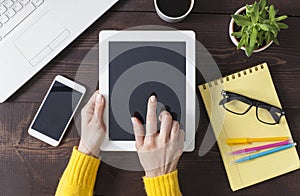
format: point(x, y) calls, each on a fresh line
point(261, 154)
point(235, 141)
point(258, 148)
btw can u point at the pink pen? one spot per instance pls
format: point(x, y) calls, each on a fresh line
point(257, 148)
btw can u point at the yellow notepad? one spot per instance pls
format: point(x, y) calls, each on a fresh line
point(256, 83)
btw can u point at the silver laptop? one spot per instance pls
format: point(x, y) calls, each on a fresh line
point(33, 32)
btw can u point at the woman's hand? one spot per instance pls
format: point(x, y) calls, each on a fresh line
point(158, 152)
point(93, 128)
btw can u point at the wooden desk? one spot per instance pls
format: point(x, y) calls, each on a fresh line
point(30, 167)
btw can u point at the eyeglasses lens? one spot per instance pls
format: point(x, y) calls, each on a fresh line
point(268, 114)
point(237, 106)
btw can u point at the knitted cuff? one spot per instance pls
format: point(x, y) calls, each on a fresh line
point(165, 185)
point(82, 169)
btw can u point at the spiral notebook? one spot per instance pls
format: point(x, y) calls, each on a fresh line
point(256, 83)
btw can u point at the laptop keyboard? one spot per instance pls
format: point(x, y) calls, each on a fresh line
point(13, 12)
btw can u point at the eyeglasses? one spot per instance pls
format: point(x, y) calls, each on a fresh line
point(240, 105)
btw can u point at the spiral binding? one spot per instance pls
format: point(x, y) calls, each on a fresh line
point(232, 76)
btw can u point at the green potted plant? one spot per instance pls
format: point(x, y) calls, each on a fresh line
point(255, 27)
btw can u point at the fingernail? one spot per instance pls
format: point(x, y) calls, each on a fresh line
point(137, 116)
point(133, 120)
point(152, 98)
point(99, 98)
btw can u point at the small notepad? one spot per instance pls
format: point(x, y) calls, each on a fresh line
point(256, 83)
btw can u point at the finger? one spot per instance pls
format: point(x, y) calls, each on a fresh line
point(181, 136)
point(180, 139)
point(91, 103)
point(88, 110)
point(138, 130)
point(166, 126)
point(175, 130)
point(151, 119)
point(99, 107)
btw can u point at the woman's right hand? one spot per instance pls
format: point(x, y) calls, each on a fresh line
point(159, 152)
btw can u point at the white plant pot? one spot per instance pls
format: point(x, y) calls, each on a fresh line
point(234, 40)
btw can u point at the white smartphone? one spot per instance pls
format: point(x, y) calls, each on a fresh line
point(57, 110)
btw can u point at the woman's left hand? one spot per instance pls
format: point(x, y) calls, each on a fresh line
point(93, 129)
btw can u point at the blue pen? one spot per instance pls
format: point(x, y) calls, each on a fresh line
point(254, 156)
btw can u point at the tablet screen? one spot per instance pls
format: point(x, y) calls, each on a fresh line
point(136, 71)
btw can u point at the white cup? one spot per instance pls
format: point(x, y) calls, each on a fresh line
point(173, 19)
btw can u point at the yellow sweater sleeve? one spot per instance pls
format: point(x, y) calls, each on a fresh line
point(80, 175)
point(165, 185)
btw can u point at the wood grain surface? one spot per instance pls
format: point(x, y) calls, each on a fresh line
point(30, 167)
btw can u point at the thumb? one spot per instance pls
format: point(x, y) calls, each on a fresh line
point(99, 107)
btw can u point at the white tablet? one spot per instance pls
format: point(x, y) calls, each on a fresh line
point(135, 64)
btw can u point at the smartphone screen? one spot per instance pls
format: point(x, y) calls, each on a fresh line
point(57, 110)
